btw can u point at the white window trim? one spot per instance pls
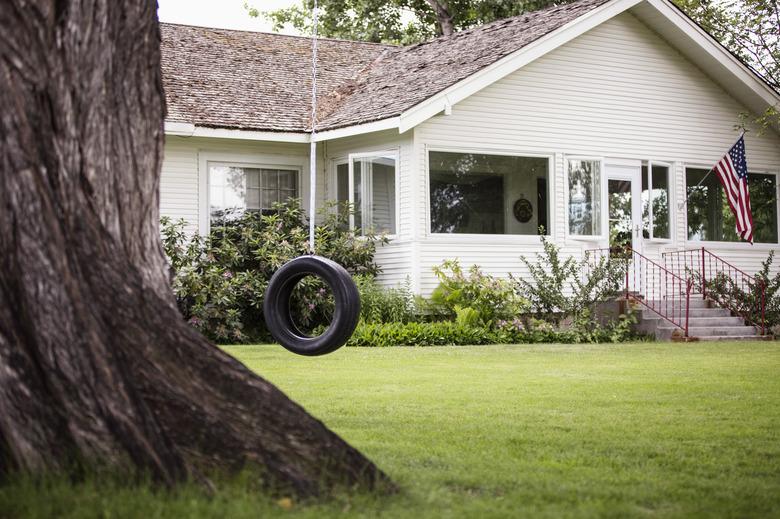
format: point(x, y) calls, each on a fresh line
point(728, 245)
point(669, 165)
point(604, 202)
point(393, 152)
point(490, 238)
point(300, 164)
point(333, 179)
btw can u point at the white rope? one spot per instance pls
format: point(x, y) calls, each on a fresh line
point(313, 147)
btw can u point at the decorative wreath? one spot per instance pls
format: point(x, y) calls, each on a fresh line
point(523, 210)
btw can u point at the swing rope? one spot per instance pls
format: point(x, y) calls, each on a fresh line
point(313, 142)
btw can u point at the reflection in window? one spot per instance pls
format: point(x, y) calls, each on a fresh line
point(655, 202)
point(373, 193)
point(710, 217)
point(584, 197)
point(236, 189)
point(473, 193)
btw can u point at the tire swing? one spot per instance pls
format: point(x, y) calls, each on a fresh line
point(276, 304)
point(277, 308)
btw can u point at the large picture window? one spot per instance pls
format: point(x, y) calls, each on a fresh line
point(584, 190)
point(710, 217)
point(367, 183)
point(477, 193)
point(655, 201)
point(234, 189)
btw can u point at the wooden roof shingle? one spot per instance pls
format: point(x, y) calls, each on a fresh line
point(258, 81)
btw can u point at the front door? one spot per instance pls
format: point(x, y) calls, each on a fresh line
point(624, 187)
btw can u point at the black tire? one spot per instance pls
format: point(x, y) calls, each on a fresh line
point(276, 306)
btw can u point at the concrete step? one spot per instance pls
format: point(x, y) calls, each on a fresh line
point(666, 331)
point(735, 338)
point(715, 322)
point(706, 331)
point(695, 302)
point(647, 314)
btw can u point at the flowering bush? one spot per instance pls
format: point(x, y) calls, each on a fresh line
point(566, 288)
point(473, 297)
point(219, 280)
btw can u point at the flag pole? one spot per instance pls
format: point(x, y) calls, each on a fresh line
point(688, 195)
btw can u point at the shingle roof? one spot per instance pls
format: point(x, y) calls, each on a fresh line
point(222, 78)
point(405, 76)
point(259, 81)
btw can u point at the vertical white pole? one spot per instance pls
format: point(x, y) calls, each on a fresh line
point(312, 190)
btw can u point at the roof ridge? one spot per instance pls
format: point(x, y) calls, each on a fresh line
point(339, 40)
point(501, 21)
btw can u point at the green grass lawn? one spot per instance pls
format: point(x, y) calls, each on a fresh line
point(645, 430)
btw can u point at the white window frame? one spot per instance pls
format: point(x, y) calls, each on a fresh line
point(333, 178)
point(491, 238)
point(728, 244)
point(365, 186)
point(604, 201)
point(205, 159)
point(669, 172)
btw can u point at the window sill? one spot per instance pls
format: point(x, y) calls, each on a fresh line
point(485, 238)
point(730, 245)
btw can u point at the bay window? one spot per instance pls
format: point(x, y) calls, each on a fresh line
point(367, 183)
point(655, 201)
point(235, 189)
point(584, 197)
point(480, 193)
point(710, 217)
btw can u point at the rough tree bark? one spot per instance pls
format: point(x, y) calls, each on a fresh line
point(96, 364)
point(443, 17)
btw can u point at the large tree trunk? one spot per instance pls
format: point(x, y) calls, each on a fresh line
point(96, 364)
point(444, 21)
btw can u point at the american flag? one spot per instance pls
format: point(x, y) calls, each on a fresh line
point(733, 174)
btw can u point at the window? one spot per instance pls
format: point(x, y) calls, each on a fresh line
point(710, 217)
point(367, 182)
point(472, 193)
point(655, 201)
point(236, 189)
point(584, 189)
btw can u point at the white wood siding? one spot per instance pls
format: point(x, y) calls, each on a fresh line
point(179, 181)
point(617, 91)
point(395, 258)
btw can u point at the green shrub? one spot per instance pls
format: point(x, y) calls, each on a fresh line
point(559, 289)
point(474, 297)
point(747, 299)
point(220, 279)
point(379, 304)
point(449, 333)
point(442, 333)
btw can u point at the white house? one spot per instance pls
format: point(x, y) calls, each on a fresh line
point(463, 146)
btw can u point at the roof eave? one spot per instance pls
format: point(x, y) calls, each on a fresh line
point(184, 129)
point(459, 91)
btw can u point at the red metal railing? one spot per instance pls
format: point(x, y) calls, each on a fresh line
point(652, 285)
point(729, 286)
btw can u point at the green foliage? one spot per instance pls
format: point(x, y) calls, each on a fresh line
point(220, 279)
point(442, 333)
point(387, 21)
point(463, 332)
point(385, 305)
point(561, 288)
point(747, 300)
point(473, 296)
